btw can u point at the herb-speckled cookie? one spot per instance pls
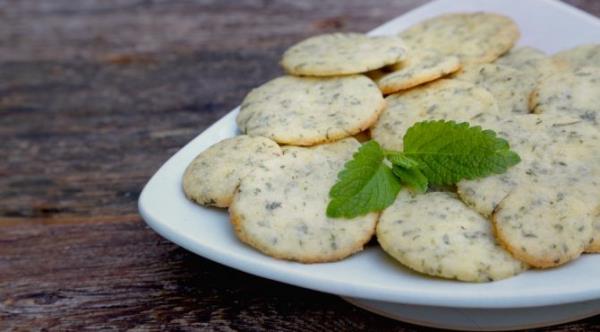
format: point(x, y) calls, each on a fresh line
point(543, 226)
point(441, 99)
point(520, 56)
point(342, 54)
point(473, 37)
point(575, 93)
point(594, 247)
point(580, 56)
point(212, 177)
point(525, 135)
point(279, 209)
point(510, 87)
point(554, 149)
point(560, 164)
point(438, 235)
point(530, 61)
point(421, 67)
point(307, 111)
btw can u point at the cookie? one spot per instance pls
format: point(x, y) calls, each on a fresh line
point(307, 111)
point(543, 226)
point(212, 177)
point(438, 235)
point(554, 149)
point(580, 56)
point(519, 57)
point(342, 54)
point(594, 246)
point(564, 162)
point(560, 155)
point(530, 61)
point(510, 87)
point(569, 92)
point(279, 209)
point(421, 67)
point(472, 37)
point(441, 99)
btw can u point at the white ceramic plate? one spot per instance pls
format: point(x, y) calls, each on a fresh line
point(370, 275)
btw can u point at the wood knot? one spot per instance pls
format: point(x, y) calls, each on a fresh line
point(128, 59)
point(329, 23)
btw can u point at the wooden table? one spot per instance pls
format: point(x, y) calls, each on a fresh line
point(94, 96)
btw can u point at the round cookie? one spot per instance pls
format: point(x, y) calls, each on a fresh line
point(519, 57)
point(212, 177)
point(421, 67)
point(531, 61)
point(307, 111)
point(574, 93)
point(510, 87)
point(279, 209)
point(441, 99)
point(473, 37)
point(554, 149)
point(594, 247)
point(437, 234)
point(543, 226)
point(342, 54)
point(526, 137)
point(580, 56)
point(559, 158)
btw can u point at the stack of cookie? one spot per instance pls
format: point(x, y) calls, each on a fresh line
point(300, 130)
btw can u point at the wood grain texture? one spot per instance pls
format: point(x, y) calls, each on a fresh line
point(94, 96)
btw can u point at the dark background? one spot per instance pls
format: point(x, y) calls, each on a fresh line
point(94, 96)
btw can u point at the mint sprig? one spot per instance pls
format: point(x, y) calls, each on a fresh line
point(448, 152)
point(412, 177)
point(365, 184)
point(398, 158)
point(435, 152)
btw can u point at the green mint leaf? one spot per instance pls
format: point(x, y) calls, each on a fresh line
point(412, 177)
point(398, 158)
point(366, 184)
point(448, 152)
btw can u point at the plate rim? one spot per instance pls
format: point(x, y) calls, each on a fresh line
point(348, 289)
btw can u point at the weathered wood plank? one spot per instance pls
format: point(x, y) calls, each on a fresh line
point(94, 96)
